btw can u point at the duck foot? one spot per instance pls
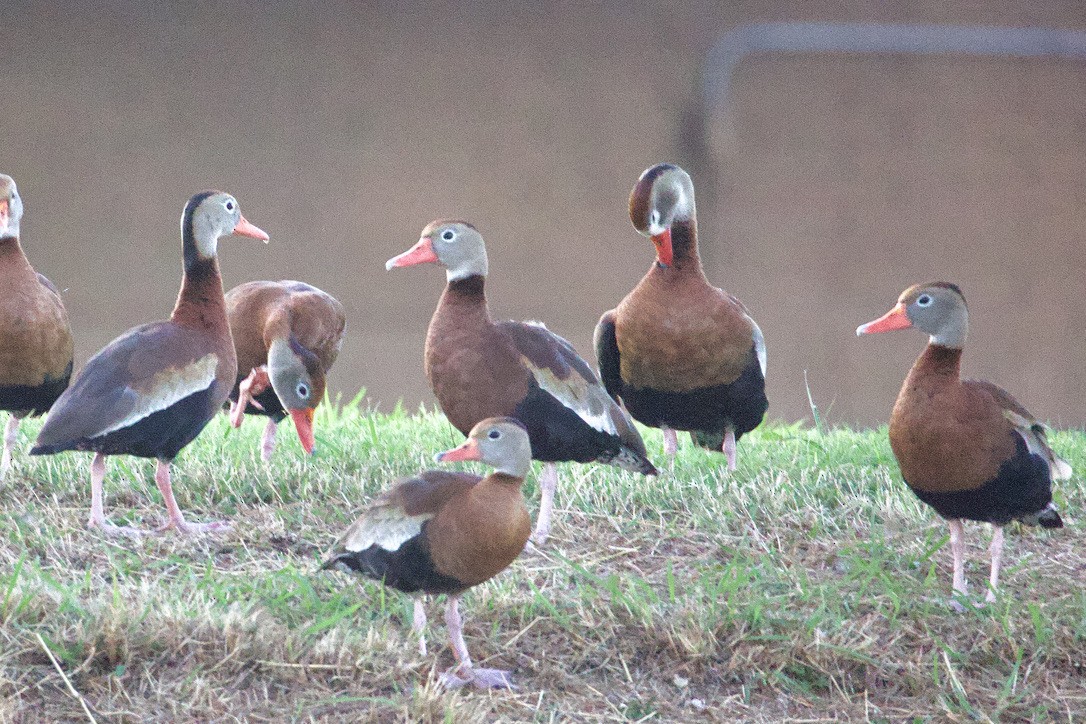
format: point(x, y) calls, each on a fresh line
point(480, 678)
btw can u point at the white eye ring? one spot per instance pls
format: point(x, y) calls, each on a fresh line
point(494, 434)
point(654, 218)
point(229, 204)
point(302, 390)
point(924, 300)
point(448, 235)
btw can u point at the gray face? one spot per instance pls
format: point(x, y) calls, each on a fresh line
point(504, 445)
point(215, 217)
point(9, 221)
point(459, 247)
point(293, 385)
point(937, 310)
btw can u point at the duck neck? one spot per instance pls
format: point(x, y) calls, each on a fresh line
point(201, 302)
point(466, 293)
point(511, 474)
point(684, 244)
point(12, 258)
point(938, 360)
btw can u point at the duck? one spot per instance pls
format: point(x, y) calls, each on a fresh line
point(680, 353)
point(36, 353)
point(444, 532)
point(151, 391)
point(479, 368)
point(287, 336)
point(966, 448)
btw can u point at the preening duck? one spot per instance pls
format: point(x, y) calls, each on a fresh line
point(152, 390)
point(680, 353)
point(287, 335)
point(479, 368)
point(35, 336)
point(444, 532)
point(965, 447)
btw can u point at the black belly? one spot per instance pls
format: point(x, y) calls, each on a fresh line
point(34, 399)
point(740, 405)
point(160, 435)
point(410, 568)
point(1021, 490)
point(273, 408)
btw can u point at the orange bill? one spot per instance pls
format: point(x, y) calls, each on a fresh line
point(303, 423)
point(896, 318)
point(244, 228)
point(468, 451)
point(420, 253)
point(663, 247)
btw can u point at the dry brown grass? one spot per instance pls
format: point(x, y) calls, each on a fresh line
point(810, 586)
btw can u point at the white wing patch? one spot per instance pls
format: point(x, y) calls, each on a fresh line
point(166, 388)
point(385, 526)
point(591, 402)
point(759, 343)
point(1038, 445)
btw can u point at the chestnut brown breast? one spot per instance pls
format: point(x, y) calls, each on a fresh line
point(948, 435)
point(677, 332)
point(33, 323)
point(473, 369)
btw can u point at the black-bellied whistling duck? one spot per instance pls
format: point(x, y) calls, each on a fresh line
point(35, 337)
point(445, 532)
point(287, 335)
point(965, 447)
point(150, 392)
point(479, 368)
point(680, 353)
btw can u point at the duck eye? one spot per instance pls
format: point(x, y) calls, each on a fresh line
point(229, 205)
point(494, 434)
point(302, 390)
point(924, 300)
point(655, 217)
point(448, 235)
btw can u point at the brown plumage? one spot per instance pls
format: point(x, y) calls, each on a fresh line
point(287, 335)
point(480, 368)
point(35, 336)
point(445, 532)
point(152, 390)
point(679, 352)
point(965, 447)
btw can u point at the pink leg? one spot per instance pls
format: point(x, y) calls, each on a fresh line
point(957, 549)
point(418, 625)
point(98, 515)
point(482, 678)
point(11, 436)
point(671, 443)
point(548, 482)
point(267, 443)
point(177, 520)
point(253, 385)
point(996, 549)
point(729, 447)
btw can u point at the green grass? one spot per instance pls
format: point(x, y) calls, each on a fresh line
point(809, 584)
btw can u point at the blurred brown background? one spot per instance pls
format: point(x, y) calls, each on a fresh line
point(344, 128)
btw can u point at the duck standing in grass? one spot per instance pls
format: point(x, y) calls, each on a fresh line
point(35, 337)
point(287, 335)
point(965, 447)
point(680, 353)
point(479, 368)
point(444, 532)
point(152, 390)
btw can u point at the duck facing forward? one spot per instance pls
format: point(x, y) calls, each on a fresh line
point(965, 447)
point(479, 368)
point(152, 390)
point(35, 336)
point(680, 353)
point(444, 532)
point(287, 335)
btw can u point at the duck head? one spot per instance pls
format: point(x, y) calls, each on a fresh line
point(936, 308)
point(456, 245)
point(298, 380)
point(500, 442)
point(209, 216)
point(11, 208)
point(663, 195)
